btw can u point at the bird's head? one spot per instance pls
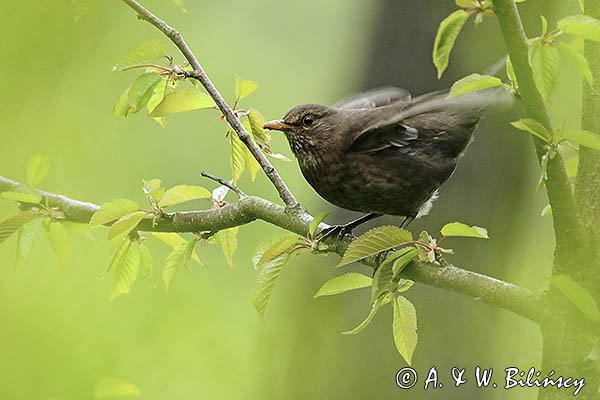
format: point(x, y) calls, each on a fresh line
point(305, 126)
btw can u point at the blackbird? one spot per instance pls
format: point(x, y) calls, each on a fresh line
point(382, 151)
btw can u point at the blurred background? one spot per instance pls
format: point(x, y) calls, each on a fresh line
point(61, 336)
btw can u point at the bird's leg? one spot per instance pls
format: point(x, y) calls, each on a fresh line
point(342, 230)
point(407, 220)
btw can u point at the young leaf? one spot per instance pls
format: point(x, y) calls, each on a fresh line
point(24, 195)
point(314, 224)
point(257, 120)
point(472, 83)
point(158, 95)
point(582, 26)
point(122, 107)
point(253, 165)
point(445, 38)
point(126, 224)
point(26, 238)
point(179, 258)
point(109, 388)
point(510, 73)
point(344, 283)
point(579, 61)
point(584, 138)
point(374, 308)
point(146, 261)
point(461, 230)
point(578, 295)
point(402, 259)
point(238, 156)
point(544, 60)
point(244, 88)
point(57, 236)
point(154, 189)
point(466, 3)
point(181, 194)
point(38, 168)
point(405, 328)
point(14, 223)
point(375, 241)
point(181, 5)
point(181, 101)
point(382, 281)
point(118, 255)
point(544, 25)
point(141, 90)
point(533, 127)
point(143, 53)
point(127, 270)
point(113, 210)
point(173, 240)
point(227, 238)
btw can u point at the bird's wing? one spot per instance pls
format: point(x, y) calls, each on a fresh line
point(373, 98)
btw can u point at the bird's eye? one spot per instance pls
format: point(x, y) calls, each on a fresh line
point(308, 120)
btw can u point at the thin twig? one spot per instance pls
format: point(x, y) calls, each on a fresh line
point(223, 182)
point(199, 74)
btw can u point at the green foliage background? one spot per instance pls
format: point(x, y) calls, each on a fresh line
point(203, 339)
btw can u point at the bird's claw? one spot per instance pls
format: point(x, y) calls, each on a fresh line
point(337, 231)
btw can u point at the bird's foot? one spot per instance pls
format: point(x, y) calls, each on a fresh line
point(336, 231)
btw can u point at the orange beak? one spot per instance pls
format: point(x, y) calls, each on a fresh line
point(277, 125)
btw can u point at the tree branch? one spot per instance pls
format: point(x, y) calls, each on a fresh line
point(250, 208)
point(199, 74)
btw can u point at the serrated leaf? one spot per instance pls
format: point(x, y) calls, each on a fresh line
point(582, 26)
point(472, 83)
point(244, 88)
point(579, 61)
point(126, 271)
point(272, 250)
point(314, 224)
point(179, 258)
point(382, 281)
point(173, 240)
point(181, 5)
point(126, 224)
point(181, 101)
point(14, 223)
point(227, 239)
point(401, 258)
point(584, 138)
point(113, 210)
point(375, 241)
point(153, 188)
point(458, 229)
point(344, 283)
point(405, 328)
point(544, 60)
point(57, 236)
point(24, 197)
point(110, 388)
point(143, 53)
point(38, 168)
point(141, 90)
point(27, 234)
point(257, 120)
point(183, 193)
point(446, 37)
point(117, 258)
point(122, 107)
point(146, 261)
point(251, 163)
point(238, 156)
point(534, 127)
point(374, 308)
point(578, 295)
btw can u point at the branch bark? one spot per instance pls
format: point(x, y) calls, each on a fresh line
point(199, 74)
point(513, 298)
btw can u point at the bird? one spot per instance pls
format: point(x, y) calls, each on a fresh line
point(383, 152)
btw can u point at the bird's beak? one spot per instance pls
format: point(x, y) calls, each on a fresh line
point(277, 125)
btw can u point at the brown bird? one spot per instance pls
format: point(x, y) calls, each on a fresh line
point(382, 151)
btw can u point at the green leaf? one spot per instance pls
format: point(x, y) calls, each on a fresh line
point(126, 224)
point(446, 37)
point(57, 236)
point(179, 258)
point(117, 258)
point(544, 25)
point(572, 166)
point(466, 3)
point(173, 240)
point(26, 238)
point(472, 83)
point(153, 188)
point(113, 210)
point(126, 270)
point(533, 127)
point(38, 168)
point(401, 258)
point(374, 308)
point(143, 53)
point(269, 259)
point(181, 5)
point(405, 328)
point(181, 101)
point(158, 95)
point(24, 195)
point(314, 224)
point(578, 295)
point(582, 26)
point(582, 5)
point(183, 193)
point(579, 61)
point(122, 107)
point(227, 238)
point(257, 120)
point(544, 60)
point(14, 223)
point(584, 138)
point(462, 230)
point(110, 388)
point(382, 281)
point(244, 88)
point(510, 73)
point(251, 163)
point(344, 283)
point(146, 261)
point(142, 89)
point(238, 156)
point(374, 241)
